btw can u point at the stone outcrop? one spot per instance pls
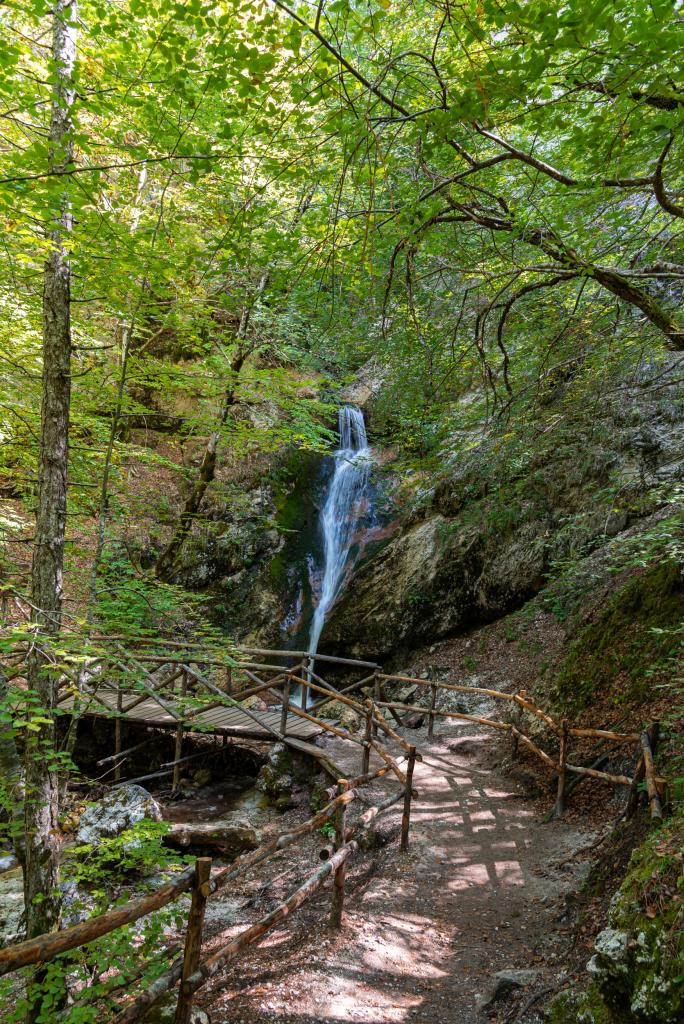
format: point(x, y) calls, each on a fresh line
point(636, 971)
point(277, 777)
point(483, 539)
point(434, 578)
point(116, 812)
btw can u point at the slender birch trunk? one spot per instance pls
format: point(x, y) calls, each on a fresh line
point(41, 805)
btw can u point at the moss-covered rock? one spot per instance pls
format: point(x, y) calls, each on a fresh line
point(579, 1008)
point(626, 638)
point(637, 969)
point(277, 777)
point(345, 716)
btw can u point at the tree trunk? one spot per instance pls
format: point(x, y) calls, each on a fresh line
point(41, 867)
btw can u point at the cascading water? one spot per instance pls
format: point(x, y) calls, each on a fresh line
point(341, 512)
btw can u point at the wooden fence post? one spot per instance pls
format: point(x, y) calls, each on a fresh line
point(117, 733)
point(408, 789)
point(305, 688)
point(640, 770)
point(365, 764)
point(341, 872)
point(178, 750)
point(634, 794)
point(286, 707)
point(193, 938)
point(433, 702)
point(517, 722)
point(562, 759)
point(376, 700)
point(649, 770)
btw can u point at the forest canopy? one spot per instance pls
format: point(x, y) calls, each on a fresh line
point(215, 216)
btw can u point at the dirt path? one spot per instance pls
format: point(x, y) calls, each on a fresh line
point(482, 889)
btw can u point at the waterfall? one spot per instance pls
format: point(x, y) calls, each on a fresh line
point(340, 513)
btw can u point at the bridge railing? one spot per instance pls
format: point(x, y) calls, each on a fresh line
point(175, 677)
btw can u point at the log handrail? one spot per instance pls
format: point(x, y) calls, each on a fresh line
point(44, 948)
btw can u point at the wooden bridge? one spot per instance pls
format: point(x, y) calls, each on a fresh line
point(212, 697)
point(222, 721)
point(191, 692)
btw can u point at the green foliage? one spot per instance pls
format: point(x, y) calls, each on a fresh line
point(136, 851)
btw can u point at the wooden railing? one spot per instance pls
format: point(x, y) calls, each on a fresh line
point(189, 969)
point(371, 708)
point(180, 675)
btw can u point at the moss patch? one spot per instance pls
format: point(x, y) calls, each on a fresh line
point(643, 978)
point(617, 649)
point(581, 1008)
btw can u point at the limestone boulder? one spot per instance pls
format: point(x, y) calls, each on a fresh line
point(345, 716)
point(277, 777)
point(116, 812)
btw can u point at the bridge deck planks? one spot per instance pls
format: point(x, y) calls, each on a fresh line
point(214, 720)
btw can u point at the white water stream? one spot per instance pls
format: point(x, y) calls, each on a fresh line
point(341, 513)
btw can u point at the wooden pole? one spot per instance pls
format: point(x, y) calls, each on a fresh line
point(305, 688)
point(517, 722)
point(431, 722)
point(193, 938)
point(634, 792)
point(649, 769)
point(121, 753)
point(408, 790)
point(376, 700)
point(562, 759)
point(179, 739)
point(286, 707)
point(117, 733)
point(340, 875)
point(363, 822)
point(365, 763)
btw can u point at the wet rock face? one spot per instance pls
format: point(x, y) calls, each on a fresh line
point(490, 530)
point(11, 907)
point(227, 542)
point(436, 577)
point(116, 812)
